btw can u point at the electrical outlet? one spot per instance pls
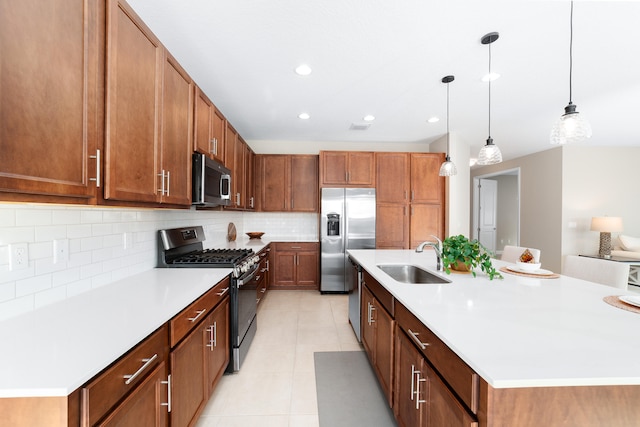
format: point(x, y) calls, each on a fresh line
point(60, 250)
point(18, 256)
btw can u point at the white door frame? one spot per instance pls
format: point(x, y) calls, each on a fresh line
point(475, 209)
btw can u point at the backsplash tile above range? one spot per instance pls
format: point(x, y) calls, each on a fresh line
point(107, 244)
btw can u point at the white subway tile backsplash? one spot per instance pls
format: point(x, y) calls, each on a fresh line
point(33, 285)
point(96, 245)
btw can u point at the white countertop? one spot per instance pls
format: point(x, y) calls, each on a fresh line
point(520, 331)
point(54, 350)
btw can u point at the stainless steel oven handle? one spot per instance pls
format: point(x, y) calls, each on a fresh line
point(246, 277)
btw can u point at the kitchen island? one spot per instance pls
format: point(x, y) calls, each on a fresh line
point(549, 346)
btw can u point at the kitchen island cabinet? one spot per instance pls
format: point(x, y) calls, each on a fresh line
point(515, 352)
point(51, 120)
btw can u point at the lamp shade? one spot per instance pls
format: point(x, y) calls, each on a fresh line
point(606, 224)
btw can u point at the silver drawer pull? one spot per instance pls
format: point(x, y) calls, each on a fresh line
point(147, 362)
point(257, 278)
point(414, 336)
point(222, 292)
point(200, 313)
point(263, 290)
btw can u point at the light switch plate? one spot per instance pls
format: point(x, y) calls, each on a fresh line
point(60, 250)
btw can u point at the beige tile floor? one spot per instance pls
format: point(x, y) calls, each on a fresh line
point(276, 384)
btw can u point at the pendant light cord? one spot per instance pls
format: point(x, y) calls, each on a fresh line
point(570, 53)
point(490, 78)
point(447, 119)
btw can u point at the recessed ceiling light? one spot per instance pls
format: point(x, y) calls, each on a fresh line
point(490, 77)
point(433, 119)
point(368, 118)
point(304, 116)
point(303, 70)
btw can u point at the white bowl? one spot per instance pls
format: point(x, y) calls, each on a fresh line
point(528, 266)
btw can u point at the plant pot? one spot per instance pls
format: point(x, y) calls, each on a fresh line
point(460, 267)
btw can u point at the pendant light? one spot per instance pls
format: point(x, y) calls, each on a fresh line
point(571, 126)
point(448, 168)
point(489, 154)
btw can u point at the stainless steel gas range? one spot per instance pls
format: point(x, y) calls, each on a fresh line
point(183, 248)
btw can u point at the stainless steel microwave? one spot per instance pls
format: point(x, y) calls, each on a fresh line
point(211, 184)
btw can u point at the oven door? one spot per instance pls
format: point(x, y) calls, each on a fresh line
point(247, 304)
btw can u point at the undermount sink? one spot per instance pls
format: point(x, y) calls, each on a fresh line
point(411, 274)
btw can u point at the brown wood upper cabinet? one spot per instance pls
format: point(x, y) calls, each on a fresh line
point(347, 169)
point(239, 158)
point(209, 128)
point(410, 199)
point(287, 183)
point(148, 140)
point(50, 108)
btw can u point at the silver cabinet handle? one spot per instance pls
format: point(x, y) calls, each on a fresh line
point(168, 383)
point(257, 278)
point(222, 292)
point(168, 182)
point(97, 178)
point(161, 189)
point(413, 194)
point(413, 376)
point(414, 336)
point(267, 265)
point(251, 202)
point(213, 336)
point(147, 363)
point(370, 309)
point(417, 386)
point(237, 199)
point(263, 290)
point(200, 313)
point(296, 247)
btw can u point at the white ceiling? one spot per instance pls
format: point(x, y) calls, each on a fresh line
point(387, 58)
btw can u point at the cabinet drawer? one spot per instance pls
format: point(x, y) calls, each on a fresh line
point(296, 246)
point(102, 393)
point(382, 295)
point(189, 318)
point(456, 373)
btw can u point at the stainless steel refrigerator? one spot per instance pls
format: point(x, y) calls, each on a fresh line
point(347, 221)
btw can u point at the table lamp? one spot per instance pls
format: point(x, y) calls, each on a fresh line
point(605, 225)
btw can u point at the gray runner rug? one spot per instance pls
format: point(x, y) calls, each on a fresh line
point(348, 391)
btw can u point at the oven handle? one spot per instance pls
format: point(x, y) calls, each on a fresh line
point(246, 277)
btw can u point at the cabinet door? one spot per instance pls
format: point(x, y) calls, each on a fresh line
point(307, 269)
point(444, 407)
point(410, 385)
point(360, 170)
point(202, 126)
point(146, 406)
point(188, 385)
point(49, 107)
point(230, 147)
point(392, 178)
point(426, 220)
point(426, 184)
point(177, 134)
point(217, 132)
point(367, 322)
point(240, 173)
point(284, 268)
point(334, 167)
point(217, 344)
point(384, 350)
point(304, 183)
point(132, 107)
point(249, 185)
point(274, 182)
point(392, 226)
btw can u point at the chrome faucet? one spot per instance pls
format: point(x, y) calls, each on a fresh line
point(437, 248)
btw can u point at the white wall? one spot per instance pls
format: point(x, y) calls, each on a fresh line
point(540, 202)
point(96, 250)
point(314, 147)
point(508, 202)
point(598, 181)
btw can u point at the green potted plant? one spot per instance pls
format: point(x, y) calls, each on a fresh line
point(461, 254)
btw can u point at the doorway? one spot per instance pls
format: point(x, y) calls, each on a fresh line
point(496, 209)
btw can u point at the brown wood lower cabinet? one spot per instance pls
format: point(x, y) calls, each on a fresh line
point(296, 265)
point(199, 359)
point(377, 339)
point(146, 406)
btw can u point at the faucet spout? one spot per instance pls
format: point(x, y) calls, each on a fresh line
point(436, 248)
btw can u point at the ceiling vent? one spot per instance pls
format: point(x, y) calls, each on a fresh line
point(359, 126)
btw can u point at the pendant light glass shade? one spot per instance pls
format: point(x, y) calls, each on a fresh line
point(571, 127)
point(448, 168)
point(489, 154)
